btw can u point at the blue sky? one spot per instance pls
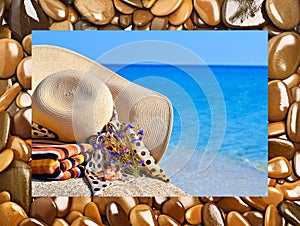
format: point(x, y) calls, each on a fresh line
point(213, 47)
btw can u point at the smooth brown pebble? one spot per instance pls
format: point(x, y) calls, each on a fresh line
point(165, 7)
point(142, 215)
point(284, 14)
point(21, 150)
point(21, 123)
point(26, 43)
point(78, 203)
point(296, 163)
point(210, 199)
point(84, 221)
point(165, 220)
point(127, 203)
point(291, 191)
point(295, 94)
point(272, 30)
point(278, 100)
point(116, 215)
point(59, 222)
point(182, 13)
point(236, 219)
point(91, 211)
point(11, 54)
point(279, 167)
point(255, 202)
point(23, 100)
point(146, 200)
point(233, 203)
point(32, 222)
point(136, 3)
point(279, 147)
point(123, 7)
point(271, 216)
point(274, 197)
point(44, 209)
point(174, 209)
point(293, 122)
point(4, 129)
point(4, 197)
point(271, 182)
point(290, 211)
point(159, 23)
point(141, 17)
point(24, 72)
point(4, 85)
point(6, 158)
point(209, 11)
point(9, 96)
point(193, 215)
point(284, 56)
point(276, 128)
point(187, 201)
point(158, 201)
point(73, 215)
point(11, 214)
point(211, 215)
point(292, 81)
point(63, 205)
point(54, 9)
point(99, 12)
point(175, 28)
point(63, 25)
point(255, 218)
point(72, 14)
point(4, 32)
point(148, 3)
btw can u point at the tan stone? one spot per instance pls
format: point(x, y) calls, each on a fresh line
point(209, 11)
point(11, 214)
point(165, 7)
point(182, 13)
point(279, 167)
point(54, 9)
point(21, 150)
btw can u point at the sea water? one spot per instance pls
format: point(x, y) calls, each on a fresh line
point(212, 105)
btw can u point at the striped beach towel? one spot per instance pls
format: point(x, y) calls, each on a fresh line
point(58, 174)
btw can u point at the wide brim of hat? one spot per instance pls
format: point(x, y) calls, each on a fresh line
point(139, 106)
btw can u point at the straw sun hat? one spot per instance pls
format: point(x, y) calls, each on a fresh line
point(74, 97)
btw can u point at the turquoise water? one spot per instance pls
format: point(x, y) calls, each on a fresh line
point(198, 94)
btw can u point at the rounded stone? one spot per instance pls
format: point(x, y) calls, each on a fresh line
point(116, 215)
point(73, 215)
point(79, 203)
point(63, 205)
point(59, 222)
point(255, 218)
point(11, 54)
point(142, 215)
point(54, 9)
point(159, 23)
point(255, 202)
point(280, 147)
point(193, 215)
point(211, 215)
point(283, 55)
point(5, 32)
point(296, 163)
point(279, 167)
point(295, 94)
point(85, 221)
point(5, 128)
point(182, 13)
point(4, 197)
point(72, 14)
point(91, 211)
point(209, 11)
point(174, 209)
point(271, 216)
point(291, 191)
point(136, 3)
point(235, 218)
point(21, 123)
point(21, 150)
point(11, 214)
point(23, 100)
point(290, 211)
point(141, 17)
point(44, 209)
point(99, 12)
point(284, 14)
point(7, 99)
point(123, 7)
point(165, 7)
point(6, 158)
point(278, 100)
point(146, 200)
point(24, 72)
point(158, 201)
point(187, 201)
point(26, 43)
point(63, 25)
point(275, 196)
point(228, 204)
point(293, 122)
point(291, 81)
point(165, 220)
point(148, 3)
point(32, 222)
point(276, 128)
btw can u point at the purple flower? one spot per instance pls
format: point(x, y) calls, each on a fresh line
point(129, 126)
point(141, 132)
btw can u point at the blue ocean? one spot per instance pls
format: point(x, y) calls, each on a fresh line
point(218, 144)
